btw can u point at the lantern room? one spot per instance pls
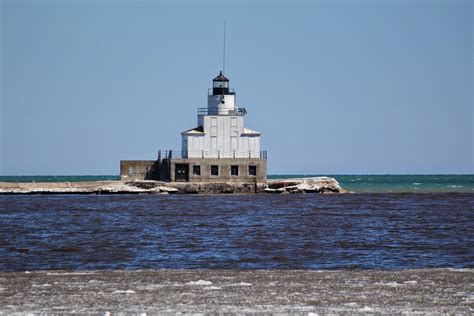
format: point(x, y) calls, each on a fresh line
point(220, 85)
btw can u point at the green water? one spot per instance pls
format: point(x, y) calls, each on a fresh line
point(400, 183)
point(355, 183)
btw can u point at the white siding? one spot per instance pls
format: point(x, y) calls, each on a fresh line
point(222, 133)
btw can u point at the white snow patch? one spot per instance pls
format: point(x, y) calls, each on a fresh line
point(123, 292)
point(200, 282)
point(151, 286)
point(392, 284)
point(460, 269)
point(69, 273)
point(240, 284)
point(367, 309)
point(410, 282)
point(41, 285)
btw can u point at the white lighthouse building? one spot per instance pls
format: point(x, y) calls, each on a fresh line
point(221, 131)
point(220, 151)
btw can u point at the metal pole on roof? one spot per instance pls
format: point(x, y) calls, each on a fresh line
point(223, 57)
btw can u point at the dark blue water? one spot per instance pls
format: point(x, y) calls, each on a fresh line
point(352, 231)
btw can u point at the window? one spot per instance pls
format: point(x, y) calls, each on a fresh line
point(234, 170)
point(196, 170)
point(221, 84)
point(214, 170)
point(252, 170)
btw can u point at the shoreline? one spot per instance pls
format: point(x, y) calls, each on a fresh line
point(297, 185)
point(171, 291)
point(366, 184)
point(7, 189)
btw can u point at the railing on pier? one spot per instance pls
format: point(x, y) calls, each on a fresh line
point(163, 154)
point(168, 154)
point(235, 112)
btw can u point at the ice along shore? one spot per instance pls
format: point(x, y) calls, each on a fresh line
point(438, 291)
point(278, 186)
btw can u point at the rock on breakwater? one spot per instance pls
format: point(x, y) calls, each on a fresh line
point(304, 185)
point(86, 187)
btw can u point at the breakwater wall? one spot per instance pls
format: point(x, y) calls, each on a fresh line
point(307, 185)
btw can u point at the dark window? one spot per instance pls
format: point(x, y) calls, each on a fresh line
point(234, 170)
point(214, 170)
point(181, 172)
point(252, 170)
point(196, 170)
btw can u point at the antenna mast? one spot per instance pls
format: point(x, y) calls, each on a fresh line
point(223, 58)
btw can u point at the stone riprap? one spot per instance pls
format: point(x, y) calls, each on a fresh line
point(86, 187)
point(319, 184)
point(304, 185)
point(438, 291)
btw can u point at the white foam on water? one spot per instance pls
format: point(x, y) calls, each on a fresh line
point(199, 282)
point(212, 288)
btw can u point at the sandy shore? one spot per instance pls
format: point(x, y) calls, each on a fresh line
point(283, 291)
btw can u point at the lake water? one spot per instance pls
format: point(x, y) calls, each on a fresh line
point(307, 231)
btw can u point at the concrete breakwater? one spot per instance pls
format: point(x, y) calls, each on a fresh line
point(304, 185)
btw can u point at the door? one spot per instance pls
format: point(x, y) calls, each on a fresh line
point(181, 172)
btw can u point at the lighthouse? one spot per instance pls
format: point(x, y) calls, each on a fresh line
point(220, 152)
point(220, 148)
point(220, 131)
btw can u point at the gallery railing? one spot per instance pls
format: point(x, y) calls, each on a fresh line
point(235, 112)
point(168, 154)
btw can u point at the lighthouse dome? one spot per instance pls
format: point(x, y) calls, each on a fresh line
point(221, 77)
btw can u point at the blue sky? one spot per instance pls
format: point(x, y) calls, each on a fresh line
point(335, 87)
